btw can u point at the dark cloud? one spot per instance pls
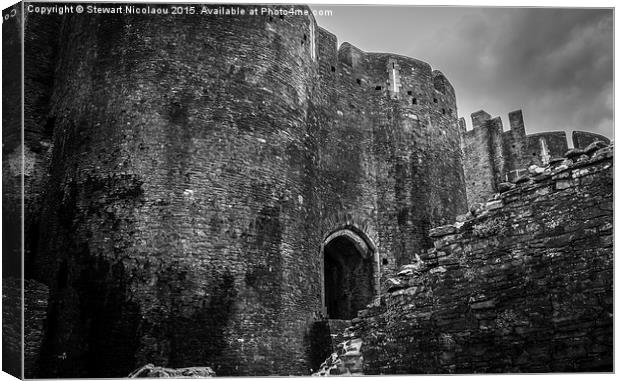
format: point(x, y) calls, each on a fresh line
point(555, 64)
point(560, 64)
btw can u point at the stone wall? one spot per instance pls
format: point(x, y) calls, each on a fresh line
point(40, 53)
point(12, 327)
point(12, 162)
point(35, 312)
point(492, 155)
point(523, 284)
point(477, 166)
point(583, 139)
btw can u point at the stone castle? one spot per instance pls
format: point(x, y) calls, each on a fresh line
point(232, 191)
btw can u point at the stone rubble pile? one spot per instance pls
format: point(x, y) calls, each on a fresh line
point(557, 169)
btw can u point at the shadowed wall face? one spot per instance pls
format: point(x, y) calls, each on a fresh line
point(13, 166)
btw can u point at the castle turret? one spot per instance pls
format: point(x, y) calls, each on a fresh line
point(398, 170)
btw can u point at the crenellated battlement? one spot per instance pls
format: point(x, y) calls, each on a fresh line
point(411, 82)
point(492, 155)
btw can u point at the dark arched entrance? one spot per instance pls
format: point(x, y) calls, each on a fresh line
point(349, 275)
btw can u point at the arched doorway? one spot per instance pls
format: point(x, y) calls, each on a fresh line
point(350, 274)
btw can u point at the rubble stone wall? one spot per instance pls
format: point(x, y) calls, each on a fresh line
point(523, 284)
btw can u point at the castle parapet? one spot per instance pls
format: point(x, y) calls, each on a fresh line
point(350, 55)
point(582, 139)
point(516, 121)
point(492, 155)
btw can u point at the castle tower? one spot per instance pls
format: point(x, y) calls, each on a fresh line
point(177, 211)
point(397, 169)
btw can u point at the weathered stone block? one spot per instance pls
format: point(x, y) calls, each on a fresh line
point(504, 187)
point(522, 179)
point(574, 153)
point(494, 205)
point(594, 146)
point(442, 231)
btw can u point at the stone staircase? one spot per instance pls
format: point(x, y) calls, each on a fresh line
point(347, 360)
point(337, 332)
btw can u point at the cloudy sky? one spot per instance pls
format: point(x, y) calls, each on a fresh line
point(554, 64)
